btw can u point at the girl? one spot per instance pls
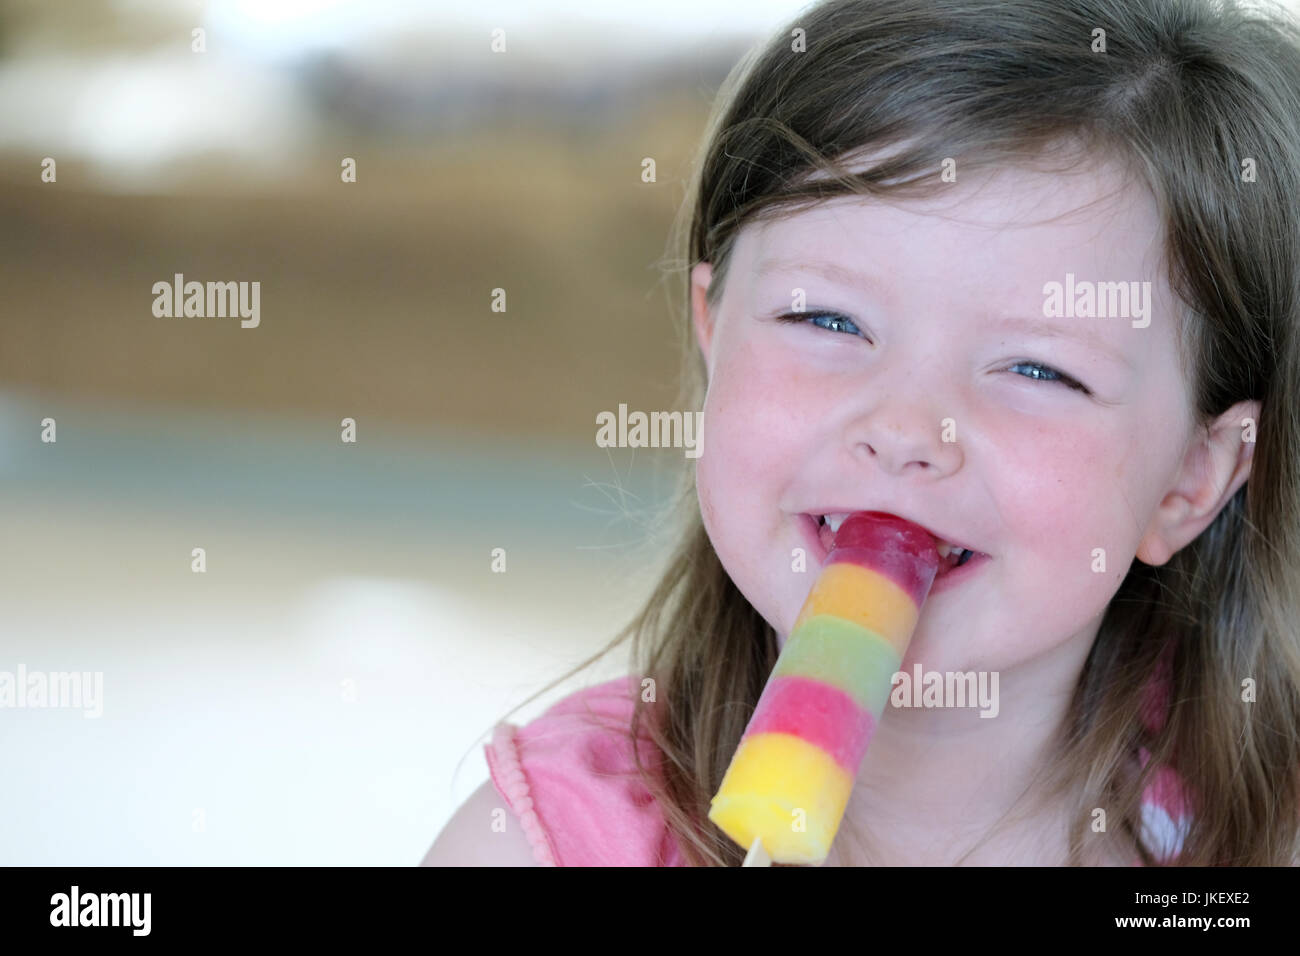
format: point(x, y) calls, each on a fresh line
point(1028, 275)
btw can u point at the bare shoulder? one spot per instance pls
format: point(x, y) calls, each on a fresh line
point(468, 839)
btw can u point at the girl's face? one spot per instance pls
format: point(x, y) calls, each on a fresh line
point(923, 322)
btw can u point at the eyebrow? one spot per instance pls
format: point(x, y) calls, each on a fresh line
point(828, 270)
point(1040, 328)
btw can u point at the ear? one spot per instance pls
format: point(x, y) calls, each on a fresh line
point(701, 276)
point(1215, 467)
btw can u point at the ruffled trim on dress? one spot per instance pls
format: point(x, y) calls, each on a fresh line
point(508, 775)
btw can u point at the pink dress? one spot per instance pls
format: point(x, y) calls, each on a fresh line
point(569, 779)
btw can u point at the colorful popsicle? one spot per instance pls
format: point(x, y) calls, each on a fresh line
point(806, 739)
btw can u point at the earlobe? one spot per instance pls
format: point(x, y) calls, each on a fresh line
point(1153, 551)
point(1155, 548)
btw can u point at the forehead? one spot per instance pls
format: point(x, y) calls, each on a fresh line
point(1093, 215)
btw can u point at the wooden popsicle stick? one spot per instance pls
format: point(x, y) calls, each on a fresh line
point(757, 856)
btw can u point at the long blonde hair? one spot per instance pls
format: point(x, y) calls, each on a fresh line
point(1189, 93)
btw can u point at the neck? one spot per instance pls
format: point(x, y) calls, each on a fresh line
point(936, 782)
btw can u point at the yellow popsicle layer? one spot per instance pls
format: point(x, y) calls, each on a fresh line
point(771, 776)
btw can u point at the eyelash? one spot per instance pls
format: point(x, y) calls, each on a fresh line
point(796, 318)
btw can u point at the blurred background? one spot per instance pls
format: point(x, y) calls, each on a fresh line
point(321, 692)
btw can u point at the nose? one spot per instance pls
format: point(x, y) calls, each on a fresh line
point(902, 435)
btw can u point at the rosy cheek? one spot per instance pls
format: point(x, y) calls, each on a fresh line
point(754, 409)
point(1054, 488)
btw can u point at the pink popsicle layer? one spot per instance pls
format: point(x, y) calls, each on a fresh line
point(819, 713)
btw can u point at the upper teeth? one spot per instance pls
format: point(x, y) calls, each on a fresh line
point(835, 521)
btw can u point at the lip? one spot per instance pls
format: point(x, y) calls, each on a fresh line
point(945, 579)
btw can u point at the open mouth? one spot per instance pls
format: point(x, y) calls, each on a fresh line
point(951, 556)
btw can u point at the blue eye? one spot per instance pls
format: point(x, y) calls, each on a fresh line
point(1042, 373)
point(1052, 375)
point(796, 318)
